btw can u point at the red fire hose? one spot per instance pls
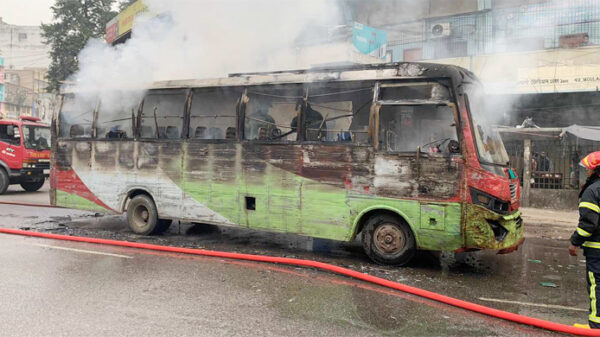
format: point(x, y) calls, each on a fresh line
point(539, 323)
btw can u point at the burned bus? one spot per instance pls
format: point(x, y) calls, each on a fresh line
point(400, 154)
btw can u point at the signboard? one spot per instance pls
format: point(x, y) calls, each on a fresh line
point(124, 22)
point(127, 17)
point(1, 92)
point(369, 40)
point(559, 79)
point(112, 30)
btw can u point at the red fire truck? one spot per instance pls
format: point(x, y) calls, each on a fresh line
point(24, 153)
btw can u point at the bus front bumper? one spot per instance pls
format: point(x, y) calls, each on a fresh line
point(485, 229)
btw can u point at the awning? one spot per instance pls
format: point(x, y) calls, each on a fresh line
point(583, 132)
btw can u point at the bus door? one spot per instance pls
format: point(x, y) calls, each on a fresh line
point(10, 145)
point(419, 153)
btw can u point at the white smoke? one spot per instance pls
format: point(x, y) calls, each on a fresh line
point(185, 39)
point(200, 39)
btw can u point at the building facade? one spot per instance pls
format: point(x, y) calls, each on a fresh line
point(23, 47)
point(538, 60)
point(26, 94)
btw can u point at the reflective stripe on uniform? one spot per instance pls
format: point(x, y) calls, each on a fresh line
point(590, 244)
point(593, 312)
point(589, 205)
point(583, 233)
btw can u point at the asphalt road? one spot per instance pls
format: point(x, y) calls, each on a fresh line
point(53, 288)
point(55, 291)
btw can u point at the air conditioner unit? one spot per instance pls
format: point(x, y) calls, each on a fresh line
point(440, 30)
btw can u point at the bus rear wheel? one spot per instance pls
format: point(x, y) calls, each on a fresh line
point(388, 240)
point(32, 186)
point(142, 215)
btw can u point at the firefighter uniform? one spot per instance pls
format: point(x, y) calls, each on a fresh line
point(587, 236)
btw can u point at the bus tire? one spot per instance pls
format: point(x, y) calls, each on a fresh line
point(32, 186)
point(142, 215)
point(388, 240)
point(4, 181)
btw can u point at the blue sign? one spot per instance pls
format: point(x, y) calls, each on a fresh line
point(1, 61)
point(369, 40)
point(1, 92)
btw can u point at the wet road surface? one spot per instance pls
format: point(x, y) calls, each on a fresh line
point(16, 193)
point(510, 282)
point(72, 289)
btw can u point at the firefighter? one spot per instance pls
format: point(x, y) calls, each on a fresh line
point(587, 234)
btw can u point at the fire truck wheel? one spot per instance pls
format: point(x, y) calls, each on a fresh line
point(32, 186)
point(142, 215)
point(388, 240)
point(4, 181)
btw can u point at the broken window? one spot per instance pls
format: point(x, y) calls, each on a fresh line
point(339, 112)
point(214, 113)
point(425, 91)
point(162, 115)
point(77, 115)
point(115, 115)
point(429, 128)
point(271, 112)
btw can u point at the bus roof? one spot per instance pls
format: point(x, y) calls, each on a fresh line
point(359, 72)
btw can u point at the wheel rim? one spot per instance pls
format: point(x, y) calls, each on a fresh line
point(389, 239)
point(141, 216)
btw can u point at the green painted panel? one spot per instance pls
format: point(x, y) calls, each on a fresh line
point(68, 200)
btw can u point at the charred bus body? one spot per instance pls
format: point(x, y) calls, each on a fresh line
point(399, 152)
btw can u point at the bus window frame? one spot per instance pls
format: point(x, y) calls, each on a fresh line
point(184, 121)
point(238, 112)
point(299, 118)
point(60, 125)
point(452, 103)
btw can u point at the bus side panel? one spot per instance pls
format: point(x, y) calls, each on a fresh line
point(69, 190)
point(170, 195)
point(277, 191)
point(333, 170)
point(211, 182)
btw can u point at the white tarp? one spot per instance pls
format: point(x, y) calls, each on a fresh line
point(583, 132)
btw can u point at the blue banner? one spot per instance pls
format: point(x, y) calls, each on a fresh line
point(1, 92)
point(369, 40)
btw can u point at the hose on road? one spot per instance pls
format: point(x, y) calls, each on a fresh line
point(512, 317)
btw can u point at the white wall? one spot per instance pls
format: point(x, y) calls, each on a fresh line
point(22, 46)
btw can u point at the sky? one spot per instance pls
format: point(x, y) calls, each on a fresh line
point(26, 12)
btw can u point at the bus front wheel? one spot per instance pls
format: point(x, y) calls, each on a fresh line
point(388, 240)
point(142, 215)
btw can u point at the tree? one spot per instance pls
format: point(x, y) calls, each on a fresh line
point(125, 4)
point(76, 21)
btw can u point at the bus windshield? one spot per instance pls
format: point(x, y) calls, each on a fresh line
point(488, 141)
point(36, 137)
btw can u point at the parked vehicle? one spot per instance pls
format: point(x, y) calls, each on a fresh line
point(401, 153)
point(24, 153)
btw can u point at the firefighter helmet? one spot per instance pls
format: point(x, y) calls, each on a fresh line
point(591, 161)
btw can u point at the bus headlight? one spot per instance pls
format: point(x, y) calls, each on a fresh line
point(493, 204)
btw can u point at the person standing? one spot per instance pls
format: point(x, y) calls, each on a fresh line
point(587, 234)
